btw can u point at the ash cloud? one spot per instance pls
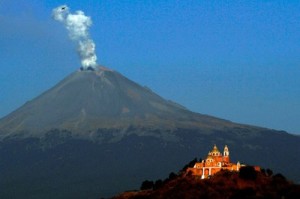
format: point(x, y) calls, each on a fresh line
point(78, 25)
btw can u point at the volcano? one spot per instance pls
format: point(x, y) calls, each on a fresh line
point(88, 100)
point(97, 133)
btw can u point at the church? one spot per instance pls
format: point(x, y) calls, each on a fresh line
point(215, 162)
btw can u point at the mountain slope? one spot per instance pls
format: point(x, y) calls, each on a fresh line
point(88, 100)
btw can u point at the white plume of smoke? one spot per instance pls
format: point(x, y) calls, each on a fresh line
point(78, 25)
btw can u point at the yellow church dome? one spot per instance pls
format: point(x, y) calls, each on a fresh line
point(215, 149)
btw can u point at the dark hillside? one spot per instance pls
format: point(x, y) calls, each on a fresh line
point(59, 166)
point(224, 185)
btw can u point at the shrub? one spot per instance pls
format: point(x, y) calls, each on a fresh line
point(269, 172)
point(172, 176)
point(147, 185)
point(190, 164)
point(157, 184)
point(248, 173)
point(244, 193)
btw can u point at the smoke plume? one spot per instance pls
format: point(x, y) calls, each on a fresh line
point(78, 25)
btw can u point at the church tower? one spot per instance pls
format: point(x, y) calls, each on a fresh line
point(226, 154)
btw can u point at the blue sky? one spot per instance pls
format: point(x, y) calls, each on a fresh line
point(235, 60)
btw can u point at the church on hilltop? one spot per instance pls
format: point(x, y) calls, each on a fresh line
point(215, 162)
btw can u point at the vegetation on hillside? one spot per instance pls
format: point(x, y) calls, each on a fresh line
point(247, 183)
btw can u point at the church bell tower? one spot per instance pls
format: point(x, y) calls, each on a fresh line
point(226, 154)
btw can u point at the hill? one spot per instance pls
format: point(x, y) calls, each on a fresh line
point(247, 183)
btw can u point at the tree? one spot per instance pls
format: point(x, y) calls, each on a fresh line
point(190, 164)
point(157, 184)
point(172, 176)
point(247, 173)
point(279, 177)
point(263, 171)
point(269, 172)
point(147, 185)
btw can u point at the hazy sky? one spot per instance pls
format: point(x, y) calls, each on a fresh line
point(239, 61)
